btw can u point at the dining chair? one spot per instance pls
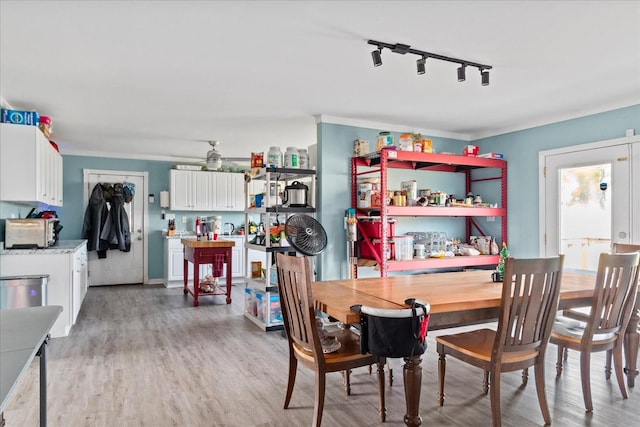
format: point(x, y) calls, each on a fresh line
point(528, 306)
point(304, 340)
point(582, 313)
point(612, 304)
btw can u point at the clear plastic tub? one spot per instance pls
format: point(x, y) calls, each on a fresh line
point(403, 247)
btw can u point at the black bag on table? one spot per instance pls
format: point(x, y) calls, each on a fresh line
point(394, 333)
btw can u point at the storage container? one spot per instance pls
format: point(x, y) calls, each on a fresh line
point(403, 248)
point(303, 158)
point(274, 157)
point(291, 158)
point(367, 253)
point(374, 228)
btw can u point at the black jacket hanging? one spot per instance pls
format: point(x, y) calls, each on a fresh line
point(95, 217)
point(116, 228)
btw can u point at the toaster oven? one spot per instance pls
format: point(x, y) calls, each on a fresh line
point(30, 233)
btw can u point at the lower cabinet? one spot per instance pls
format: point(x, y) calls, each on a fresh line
point(67, 270)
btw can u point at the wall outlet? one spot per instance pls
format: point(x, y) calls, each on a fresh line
point(184, 219)
point(170, 216)
point(630, 132)
point(491, 219)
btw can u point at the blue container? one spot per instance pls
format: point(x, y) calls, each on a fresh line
point(29, 118)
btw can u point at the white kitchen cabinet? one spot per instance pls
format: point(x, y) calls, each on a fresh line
point(190, 190)
point(66, 265)
point(30, 168)
point(228, 191)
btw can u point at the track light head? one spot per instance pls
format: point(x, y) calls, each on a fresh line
point(485, 77)
point(462, 73)
point(421, 65)
point(377, 57)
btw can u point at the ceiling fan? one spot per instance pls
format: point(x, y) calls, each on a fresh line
point(214, 158)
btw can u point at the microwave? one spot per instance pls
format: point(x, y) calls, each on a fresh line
point(30, 233)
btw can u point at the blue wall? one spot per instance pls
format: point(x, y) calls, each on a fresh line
point(521, 151)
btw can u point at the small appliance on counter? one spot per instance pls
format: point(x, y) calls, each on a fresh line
point(31, 233)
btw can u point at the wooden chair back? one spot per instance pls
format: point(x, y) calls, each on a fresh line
point(615, 294)
point(296, 302)
point(624, 248)
point(529, 303)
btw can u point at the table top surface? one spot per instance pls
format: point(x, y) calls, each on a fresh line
point(445, 292)
point(220, 243)
point(22, 332)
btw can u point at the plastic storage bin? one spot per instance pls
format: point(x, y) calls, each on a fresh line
point(374, 228)
point(403, 248)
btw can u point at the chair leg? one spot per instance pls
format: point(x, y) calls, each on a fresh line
point(485, 383)
point(442, 367)
point(585, 375)
point(318, 406)
point(494, 395)
point(293, 368)
point(607, 365)
point(617, 363)
point(542, 395)
point(383, 408)
point(562, 351)
point(525, 376)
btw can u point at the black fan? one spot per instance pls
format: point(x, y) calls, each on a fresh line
point(305, 234)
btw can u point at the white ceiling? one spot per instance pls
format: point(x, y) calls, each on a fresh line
point(156, 79)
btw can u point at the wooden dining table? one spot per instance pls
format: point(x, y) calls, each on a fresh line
point(456, 299)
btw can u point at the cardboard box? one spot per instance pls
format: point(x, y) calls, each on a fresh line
point(471, 150)
point(17, 117)
point(492, 155)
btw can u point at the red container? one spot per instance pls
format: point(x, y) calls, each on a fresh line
point(373, 229)
point(365, 252)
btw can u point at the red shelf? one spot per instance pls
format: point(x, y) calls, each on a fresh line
point(377, 165)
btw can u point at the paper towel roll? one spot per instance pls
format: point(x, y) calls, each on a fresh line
point(164, 199)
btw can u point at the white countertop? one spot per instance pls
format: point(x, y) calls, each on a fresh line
point(61, 247)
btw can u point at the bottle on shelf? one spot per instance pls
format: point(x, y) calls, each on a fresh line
point(198, 228)
point(303, 158)
point(291, 158)
point(504, 254)
point(274, 157)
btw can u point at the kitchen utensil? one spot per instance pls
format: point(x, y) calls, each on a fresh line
point(295, 195)
point(228, 228)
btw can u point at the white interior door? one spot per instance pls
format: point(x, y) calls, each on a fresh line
point(121, 267)
point(587, 195)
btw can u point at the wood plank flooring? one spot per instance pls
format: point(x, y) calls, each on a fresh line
point(144, 356)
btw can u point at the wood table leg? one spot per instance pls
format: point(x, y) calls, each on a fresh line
point(196, 281)
point(185, 275)
point(412, 373)
point(229, 255)
point(631, 342)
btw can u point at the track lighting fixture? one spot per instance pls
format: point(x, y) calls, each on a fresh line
point(403, 49)
point(377, 57)
point(421, 65)
point(462, 73)
point(485, 78)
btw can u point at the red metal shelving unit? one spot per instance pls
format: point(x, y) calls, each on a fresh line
point(378, 164)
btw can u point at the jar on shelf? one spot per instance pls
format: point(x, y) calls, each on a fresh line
point(291, 158)
point(274, 157)
point(405, 143)
point(303, 158)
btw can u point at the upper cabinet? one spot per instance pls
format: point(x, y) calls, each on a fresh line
point(190, 190)
point(228, 191)
point(206, 191)
point(30, 168)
